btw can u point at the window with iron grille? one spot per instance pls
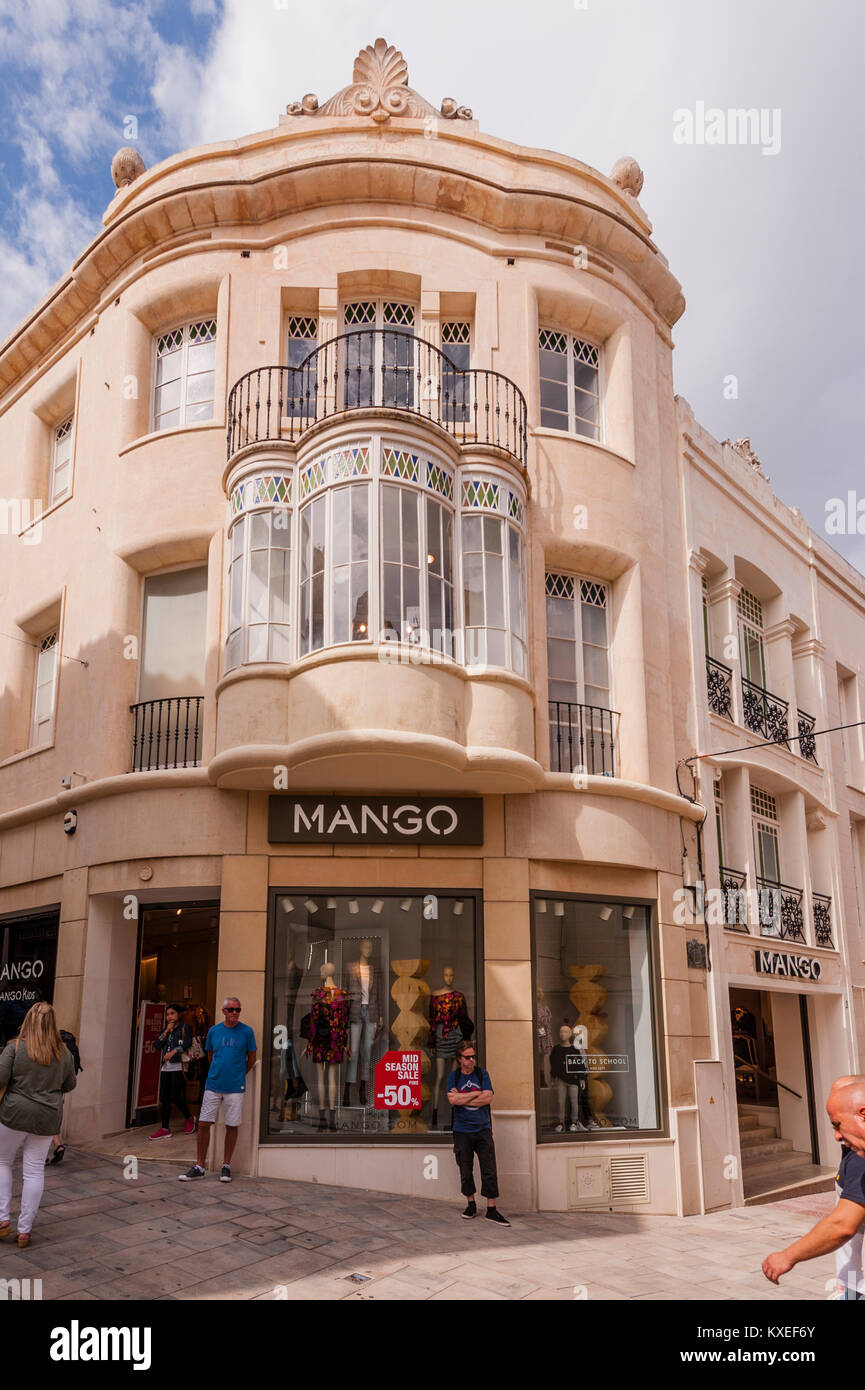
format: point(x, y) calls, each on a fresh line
point(61, 462)
point(578, 665)
point(302, 376)
point(569, 370)
point(45, 690)
point(456, 335)
point(184, 375)
point(378, 368)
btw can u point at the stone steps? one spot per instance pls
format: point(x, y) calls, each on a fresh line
point(750, 1137)
point(753, 1153)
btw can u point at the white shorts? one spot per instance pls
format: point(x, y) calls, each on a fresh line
point(211, 1102)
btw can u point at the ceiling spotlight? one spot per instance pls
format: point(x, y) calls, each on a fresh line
point(331, 904)
point(406, 904)
point(606, 913)
point(353, 905)
point(458, 908)
point(286, 904)
point(542, 904)
point(178, 912)
point(310, 905)
point(378, 905)
point(628, 912)
point(559, 909)
point(430, 559)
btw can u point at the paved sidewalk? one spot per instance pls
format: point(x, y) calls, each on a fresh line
point(100, 1235)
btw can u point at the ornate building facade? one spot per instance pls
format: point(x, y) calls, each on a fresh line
point(368, 594)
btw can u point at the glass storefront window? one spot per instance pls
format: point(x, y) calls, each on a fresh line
point(28, 956)
point(353, 976)
point(595, 1048)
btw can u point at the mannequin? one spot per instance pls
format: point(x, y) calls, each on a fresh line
point(568, 1067)
point(449, 1024)
point(328, 1040)
point(365, 1018)
point(545, 1036)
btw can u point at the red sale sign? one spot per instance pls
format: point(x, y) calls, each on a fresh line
point(396, 1085)
point(149, 1059)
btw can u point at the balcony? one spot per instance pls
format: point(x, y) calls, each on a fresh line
point(821, 908)
point(719, 680)
point(377, 368)
point(167, 733)
point(780, 910)
point(583, 739)
point(735, 900)
point(765, 713)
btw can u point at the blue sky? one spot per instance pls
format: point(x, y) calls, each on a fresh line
point(768, 248)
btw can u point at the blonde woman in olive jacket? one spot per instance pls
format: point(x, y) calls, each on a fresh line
point(37, 1069)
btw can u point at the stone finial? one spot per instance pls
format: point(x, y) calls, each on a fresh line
point(742, 447)
point(627, 175)
point(379, 89)
point(126, 166)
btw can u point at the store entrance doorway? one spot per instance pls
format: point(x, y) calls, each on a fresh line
point(778, 1136)
point(177, 963)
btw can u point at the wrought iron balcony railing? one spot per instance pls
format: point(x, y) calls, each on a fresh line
point(807, 744)
point(167, 733)
point(780, 910)
point(735, 901)
point(719, 679)
point(377, 367)
point(764, 712)
point(821, 907)
point(583, 738)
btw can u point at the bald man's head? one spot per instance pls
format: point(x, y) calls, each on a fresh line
point(842, 1081)
point(846, 1110)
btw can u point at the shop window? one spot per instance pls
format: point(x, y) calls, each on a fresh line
point(61, 463)
point(569, 371)
point(184, 376)
point(353, 976)
point(595, 1035)
point(28, 957)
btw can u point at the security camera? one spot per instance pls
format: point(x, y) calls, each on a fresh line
point(70, 822)
point(66, 781)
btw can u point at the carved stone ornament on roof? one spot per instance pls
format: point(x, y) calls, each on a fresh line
point(379, 89)
point(742, 447)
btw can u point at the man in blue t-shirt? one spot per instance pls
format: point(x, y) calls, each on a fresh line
point(231, 1052)
point(846, 1110)
point(470, 1092)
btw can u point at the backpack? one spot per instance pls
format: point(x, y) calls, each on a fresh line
point(72, 1046)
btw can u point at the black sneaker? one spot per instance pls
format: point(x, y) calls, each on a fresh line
point(225, 1175)
point(470, 1211)
point(493, 1214)
point(193, 1173)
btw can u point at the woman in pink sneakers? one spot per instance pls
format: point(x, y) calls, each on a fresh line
point(173, 1041)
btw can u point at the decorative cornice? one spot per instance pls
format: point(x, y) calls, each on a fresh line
point(742, 447)
point(809, 646)
point(725, 589)
point(379, 89)
point(698, 561)
point(785, 629)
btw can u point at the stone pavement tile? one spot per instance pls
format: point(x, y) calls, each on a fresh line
point(206, 1237)
point(508, 1285)
point(464, 1293)
point(82, 1206)
point(73, 1278)
point(307, 1291)
point(425, 1279)
point(310, 1239)
point(88, 1226)
point(391, 1289)
point(292, 1264)
point(148, 1230)
point(221, 1260)
point(80, 1297)
point(133, 1258)
point(266, 1245)
point(256, 1220)
point(344, 1249)
point(246, 1283)
point(52, 1254)
point(548, 1295)
point(145, 1285)
point(211, 1215)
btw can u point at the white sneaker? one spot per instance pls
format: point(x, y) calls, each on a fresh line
point(592, 1125)
point(577, 1128)
point(560, 1129)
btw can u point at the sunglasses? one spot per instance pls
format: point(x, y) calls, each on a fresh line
point(231, 1011)
point(467, 1057)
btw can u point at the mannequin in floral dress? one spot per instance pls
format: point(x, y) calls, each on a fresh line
point(328, 1040)
point(448, 1017)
